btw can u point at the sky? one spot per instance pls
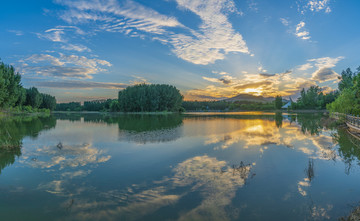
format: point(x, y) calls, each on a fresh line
point(82, 50)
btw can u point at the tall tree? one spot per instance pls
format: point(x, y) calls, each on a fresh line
point(278, 102)
point(346, 79)
point(10, 86)
point(154, 97)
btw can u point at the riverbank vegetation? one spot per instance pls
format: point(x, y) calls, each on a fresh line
point(15, 98)
point(313, 98)
point(227, 106)
point(348, 101)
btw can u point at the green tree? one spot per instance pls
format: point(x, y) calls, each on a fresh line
point(10, 86)
point(114, 106)
point(345, 103)
point(33, 97)
point(278, 102)
point(154, 97)
point(346, 79)
point(312, 98)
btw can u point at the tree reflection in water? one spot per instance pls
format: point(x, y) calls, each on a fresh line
point(14, 129)
point(139, 128)
point(278, 119)
point(310, 170)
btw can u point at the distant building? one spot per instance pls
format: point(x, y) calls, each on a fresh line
point(287, 105)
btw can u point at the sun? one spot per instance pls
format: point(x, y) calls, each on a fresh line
point(253, 91)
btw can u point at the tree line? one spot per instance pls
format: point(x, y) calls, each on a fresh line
point(95, 105)
point(137, 98)
point(14, 95)
point(227, 105)
point(314, 98)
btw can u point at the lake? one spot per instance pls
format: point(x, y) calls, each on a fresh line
point(196, 166)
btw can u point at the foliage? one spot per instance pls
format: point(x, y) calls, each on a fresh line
point(225, 105)
point(114, 106)
point(10, 86)
point(48, 102)
point(346, 79)
point(278, 102)
point(72, 106)
point(96, 105)
point(149, 98)
point(314, 98)
point(14, 129)
point(349, 100)
point(12, 93)
point(33, 97)
point(345, 103)
point(206, 105)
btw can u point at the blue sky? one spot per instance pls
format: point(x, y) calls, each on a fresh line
point(209, 49)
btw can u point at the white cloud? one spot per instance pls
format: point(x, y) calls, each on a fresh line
point(323, 67)
point(74, 84)
point(325, 74)
point(75, 47)
point(63, 66)
point(300, 32)
point(305, 67)
point(215, 37)
point(326, 62)
point(318, 5)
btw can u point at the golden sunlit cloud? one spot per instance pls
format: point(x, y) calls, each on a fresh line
point(225, 85)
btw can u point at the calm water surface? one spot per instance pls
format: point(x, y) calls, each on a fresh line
point(240, 166)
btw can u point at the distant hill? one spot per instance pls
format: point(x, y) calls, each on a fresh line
point(249, 97)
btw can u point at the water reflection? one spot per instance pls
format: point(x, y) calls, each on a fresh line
point(12, 132)
point(214, 179)
point(349, 148)
point(7, 157)
point(150, 128)
point(138, 128)
point(14, 129)
point(99, 172)
point(278, 119)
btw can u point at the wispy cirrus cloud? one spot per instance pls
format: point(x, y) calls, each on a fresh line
point(57, 34)
point(214, 38)
point(117, 16)
point(75, 47)
point(16, 32)
point(69, 66)
point(74, 84)
point(285, 21)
